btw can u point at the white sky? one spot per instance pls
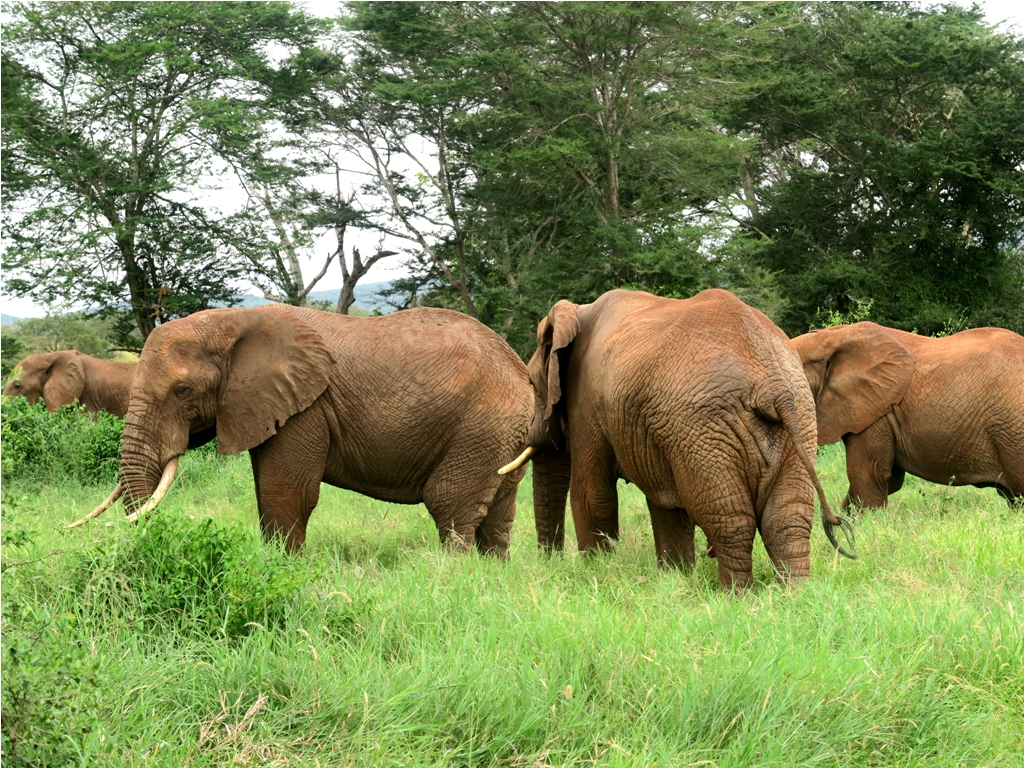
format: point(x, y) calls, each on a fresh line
point(1010, 13)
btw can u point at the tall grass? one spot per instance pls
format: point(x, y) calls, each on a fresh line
point(388, 650)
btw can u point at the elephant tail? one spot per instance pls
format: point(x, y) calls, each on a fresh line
point(786, 409)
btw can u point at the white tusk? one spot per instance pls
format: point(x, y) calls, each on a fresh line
point(519, 461)
point(158, 495)
point(100, 509)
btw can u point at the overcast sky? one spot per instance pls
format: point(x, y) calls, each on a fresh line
point(1007, 12)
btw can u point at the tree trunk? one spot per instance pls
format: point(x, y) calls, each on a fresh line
point(141, 305)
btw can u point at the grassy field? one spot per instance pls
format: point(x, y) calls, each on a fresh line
point(376, 647)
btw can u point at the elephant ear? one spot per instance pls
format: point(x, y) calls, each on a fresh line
point(65, 379)
point(563, 323)
point(277, 366)
point(857, 373)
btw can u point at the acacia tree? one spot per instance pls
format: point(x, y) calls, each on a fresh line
point(285, 214)
point(571, 145)
point(109, 114)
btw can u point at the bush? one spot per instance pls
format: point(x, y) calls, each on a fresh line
point(41, 446)
point(199, 578)
point(51, 687)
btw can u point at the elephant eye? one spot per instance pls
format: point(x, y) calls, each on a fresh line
point(182, 390)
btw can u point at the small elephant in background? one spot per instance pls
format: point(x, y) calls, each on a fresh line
point(422, 405)
point(700, 403)
point(60, 378)
point(949, 410)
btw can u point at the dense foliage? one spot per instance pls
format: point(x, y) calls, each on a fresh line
point(811, 157)
point(110, 114)
point(39, 446)
point(889, 165)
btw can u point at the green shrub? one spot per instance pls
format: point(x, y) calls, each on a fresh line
point(39, 446)
point(199, 578)
point(51, 687)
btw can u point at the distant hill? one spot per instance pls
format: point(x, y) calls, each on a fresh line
point(367, 296)
point(8, 319)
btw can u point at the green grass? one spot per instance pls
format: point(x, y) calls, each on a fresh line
point(392, 651)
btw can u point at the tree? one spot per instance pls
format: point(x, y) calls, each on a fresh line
point(12, 351)
point(888, 164)
point(56, 332)
point(571, 143)
point(288, 214)
point(394, 84)
point(109, 114)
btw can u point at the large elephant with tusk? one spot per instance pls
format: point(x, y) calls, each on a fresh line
point(423, 405)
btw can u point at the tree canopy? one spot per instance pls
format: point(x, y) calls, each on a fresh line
point(110, 115)
point(820, 160)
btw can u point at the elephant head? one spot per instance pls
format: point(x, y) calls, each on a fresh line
point(546, 439)
point(236, 373)
point(555, 335)
point(856, 373)
point(547, 369)
point(57, 377)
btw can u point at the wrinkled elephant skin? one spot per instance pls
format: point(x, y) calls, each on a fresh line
point(701, 403)
point(61, 378)
point(422, 405)
point(949, 410)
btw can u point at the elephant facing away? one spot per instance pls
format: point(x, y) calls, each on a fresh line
point(422, 405)
point(949, 410)
point(700, 403)
point(60, 378)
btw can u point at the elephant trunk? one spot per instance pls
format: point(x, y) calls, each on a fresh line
point(147, 467)
point(551, 475)
point(166, 478)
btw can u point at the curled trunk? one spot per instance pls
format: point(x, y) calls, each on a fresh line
point(141, 464)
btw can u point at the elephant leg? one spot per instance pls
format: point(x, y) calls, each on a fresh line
point(595, 501)
point(287, 470)
point(728, 520)
point(673, 536)
point(495, 531)
point(870, 457)
point(458, 495)
point(551, 472)
point(733, 540)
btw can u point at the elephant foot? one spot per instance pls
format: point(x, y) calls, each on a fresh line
point(456, 540)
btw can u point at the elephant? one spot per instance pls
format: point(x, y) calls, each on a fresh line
point(63, 377)
point(701, 403)
point(422, 405)
point(949, 410)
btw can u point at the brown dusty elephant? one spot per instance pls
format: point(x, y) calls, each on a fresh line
point(422, 405)
point(949, 410)
point(701, 403)
point(63, 377)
